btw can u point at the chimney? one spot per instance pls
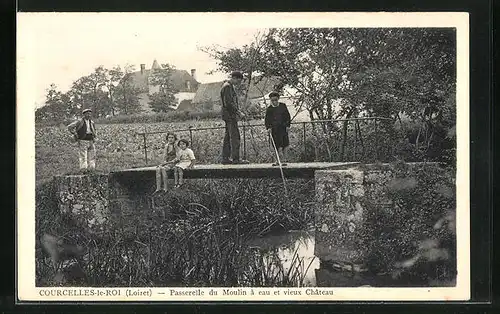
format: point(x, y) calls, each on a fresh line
point(193, 73)
point(143, 67)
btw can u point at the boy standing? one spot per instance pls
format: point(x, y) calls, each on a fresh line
point(278, 123)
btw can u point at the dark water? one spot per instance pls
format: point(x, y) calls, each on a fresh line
point(289, 246)
point(319, 273)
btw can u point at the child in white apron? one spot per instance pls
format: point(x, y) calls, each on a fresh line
point(185, 160)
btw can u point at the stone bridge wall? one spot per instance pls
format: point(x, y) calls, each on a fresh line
point(343, 198)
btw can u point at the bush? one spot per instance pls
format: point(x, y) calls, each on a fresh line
point(417, 232)
point(171, 116)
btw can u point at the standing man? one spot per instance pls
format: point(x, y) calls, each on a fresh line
point(84, 134)
point(231, 114)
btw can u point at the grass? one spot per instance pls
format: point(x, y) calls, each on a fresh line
point(186, 243)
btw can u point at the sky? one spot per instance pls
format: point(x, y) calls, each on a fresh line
point(61, 48)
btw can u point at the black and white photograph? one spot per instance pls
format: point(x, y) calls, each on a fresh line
point(243, 156)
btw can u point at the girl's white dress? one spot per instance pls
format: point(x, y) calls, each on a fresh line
point(185, 156)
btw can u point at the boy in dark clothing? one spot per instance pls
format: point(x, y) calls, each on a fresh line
point(231, 114)
point(278, 123)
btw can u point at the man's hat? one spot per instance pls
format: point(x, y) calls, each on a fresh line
point(86, 110)
point(237, 74)
point(274, 94)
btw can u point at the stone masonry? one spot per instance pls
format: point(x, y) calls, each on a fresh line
point(85, 199)
point(344, 198)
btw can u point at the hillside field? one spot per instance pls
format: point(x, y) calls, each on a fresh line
point(118, 146)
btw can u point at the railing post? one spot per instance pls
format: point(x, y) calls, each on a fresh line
point(244, 142)
point(360, 136)
point(145, 148)
point(355, 139)
point(304, 139)
point(376, 138)
point(191, 135)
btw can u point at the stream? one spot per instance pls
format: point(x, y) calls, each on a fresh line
point(300, 243)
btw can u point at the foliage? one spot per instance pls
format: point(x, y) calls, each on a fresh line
point(105, 91)
point(247, 60)
point(164, 98)
point(56, 108)
point(173, 116)
point(343, 72)
point(91, 92)
point(126, 95)
point(421, 220)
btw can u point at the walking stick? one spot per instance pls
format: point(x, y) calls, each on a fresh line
point(279, 163)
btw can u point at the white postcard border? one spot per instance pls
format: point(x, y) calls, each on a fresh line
point(26, 290)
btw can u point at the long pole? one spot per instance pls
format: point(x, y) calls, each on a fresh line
point(279, 163)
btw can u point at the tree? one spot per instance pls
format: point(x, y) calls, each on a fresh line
point(125, 95)
point(113, 78)
point(56, 106)
point(410, 72)
point(104, 91)
point(163, 97)
point(97, 91)
point(341, 73)
point(247, 59)
point(90, 92)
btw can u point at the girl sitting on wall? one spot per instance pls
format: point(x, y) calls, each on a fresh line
point(170, 155)
point(185, 160)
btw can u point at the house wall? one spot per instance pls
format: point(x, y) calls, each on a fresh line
point(153, 89)
point(144, 101)
point(300, 116)
point(184, 96)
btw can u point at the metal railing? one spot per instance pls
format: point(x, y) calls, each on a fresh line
point(246, 126)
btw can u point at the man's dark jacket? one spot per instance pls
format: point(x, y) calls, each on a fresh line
point(229, 102)
point(79, 129)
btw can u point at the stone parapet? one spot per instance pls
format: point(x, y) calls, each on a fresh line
point(85, 198)
point(345, 199)
point(339, 215)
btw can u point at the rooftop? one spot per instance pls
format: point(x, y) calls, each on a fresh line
point(210, 92)
point(179, 79)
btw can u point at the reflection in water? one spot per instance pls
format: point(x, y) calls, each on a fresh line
point(300, 244)
point(289, 247)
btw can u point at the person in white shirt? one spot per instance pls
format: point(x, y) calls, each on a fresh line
point(185, 160)
point(84, 134)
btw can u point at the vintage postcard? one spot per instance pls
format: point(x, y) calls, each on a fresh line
point(243, 156)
